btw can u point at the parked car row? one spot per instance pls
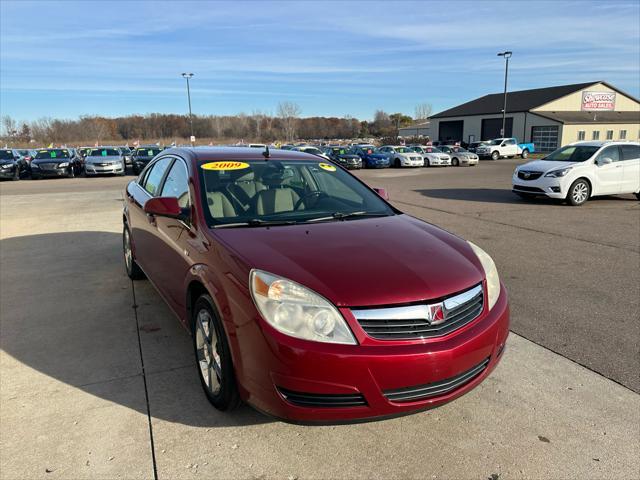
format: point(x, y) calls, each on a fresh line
point(16, 164)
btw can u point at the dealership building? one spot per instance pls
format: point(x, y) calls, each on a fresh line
point(549, 117)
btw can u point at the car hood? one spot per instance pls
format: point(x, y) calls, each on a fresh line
point(374, 261)
point(50, 160)
point(546, 165)
point(377, 156)
point(6, 161)
point(100, 159)
point(349, 157)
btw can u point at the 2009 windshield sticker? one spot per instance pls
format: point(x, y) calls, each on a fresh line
point(225, 166)
point(327, 167)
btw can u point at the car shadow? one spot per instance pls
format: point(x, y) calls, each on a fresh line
point(498, 195)
point(68, 313)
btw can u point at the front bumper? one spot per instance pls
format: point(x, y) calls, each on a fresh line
point(551, 187)
point(113, 169)
point(405, 162)
point(53, 172)
point(468, 162)
point(276, 367)
point(8, 172)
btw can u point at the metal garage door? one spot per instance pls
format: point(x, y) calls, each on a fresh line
point(545, 139)
point(491, 128)
point(451, 130)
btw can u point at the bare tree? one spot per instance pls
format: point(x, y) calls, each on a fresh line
point(423, 111)
point(289, 113)
point(9, 127)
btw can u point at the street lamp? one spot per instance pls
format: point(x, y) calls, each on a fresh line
point(187, 76)
point(507, 56)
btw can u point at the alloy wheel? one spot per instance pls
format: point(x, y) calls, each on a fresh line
point(128, 254)
point(580, 192)
point(207, 350)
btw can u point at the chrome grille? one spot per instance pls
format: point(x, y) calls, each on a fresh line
point(413, 321)
point(528, 175)
point(323, 400)
point(442, 387)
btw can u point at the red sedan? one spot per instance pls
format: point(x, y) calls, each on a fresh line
point(307, 294)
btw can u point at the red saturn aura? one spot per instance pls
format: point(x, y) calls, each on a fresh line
point(306, 293)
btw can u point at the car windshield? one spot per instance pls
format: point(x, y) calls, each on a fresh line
point(572, 153)
point(368, 149)
point(458, 149)
point(256, 193)
point(53, 153)
point(431, 150)
point(6, 155)
point(339, 150)
point(311, 150)
point(125, 149)
point(148, 152)
point(404, 150)
point(104, 152)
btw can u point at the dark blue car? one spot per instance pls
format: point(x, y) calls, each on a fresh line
point(371, 158)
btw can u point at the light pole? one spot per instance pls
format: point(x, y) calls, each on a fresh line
point(187, 76)
point(507, 56)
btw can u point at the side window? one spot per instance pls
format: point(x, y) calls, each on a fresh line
point(630, 152)
point(177, 184)
point(611, 152)
point(510, 142)
point(154, 177)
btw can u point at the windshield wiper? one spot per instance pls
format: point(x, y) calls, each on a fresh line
point(345, 215)
point(256, 222)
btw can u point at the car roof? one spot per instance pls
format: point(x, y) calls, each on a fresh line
point(602, 143)
point(238, 153)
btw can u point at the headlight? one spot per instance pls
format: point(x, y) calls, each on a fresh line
point(63, 164)
point(34, 165)
point(558, 173)
point(6, 165)
point(297, 311)
point(491, 272)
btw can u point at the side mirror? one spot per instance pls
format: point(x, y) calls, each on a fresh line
point(164, 207)
point(604, 161)
point(382, 192)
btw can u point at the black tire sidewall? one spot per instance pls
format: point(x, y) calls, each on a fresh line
point(135, 273)
point(227, 398)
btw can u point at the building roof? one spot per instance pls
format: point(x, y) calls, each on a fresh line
point(520, 101)
point(591, 117)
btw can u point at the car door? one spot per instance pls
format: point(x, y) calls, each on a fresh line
point(609, 176)
point(509, 148)
point(142, 226)
point(630, 160)
point(175, 237)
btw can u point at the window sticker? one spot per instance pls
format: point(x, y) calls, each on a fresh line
point(104, 153)
point(53, 154)
point(327, 167)
point(230, 165)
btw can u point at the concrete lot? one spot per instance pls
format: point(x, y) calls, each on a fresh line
point(91, 387)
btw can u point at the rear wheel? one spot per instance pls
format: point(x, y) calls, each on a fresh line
point(525, 153)
point(134, 272)
point(213, 356)
point(495, 155)
point(579, 192)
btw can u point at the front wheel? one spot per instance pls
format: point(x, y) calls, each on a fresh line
point(578, 192)
point(638, 195)
point(71, 173)
point(16, 176)
point(455, 162)
point(495, 155)
point(213, 356)
point(427, 162)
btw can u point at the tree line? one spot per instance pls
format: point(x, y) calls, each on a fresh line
point(285, 125)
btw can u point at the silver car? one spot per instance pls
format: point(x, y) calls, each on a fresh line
point(459, 156)
point(104, 161)
point(433, 157)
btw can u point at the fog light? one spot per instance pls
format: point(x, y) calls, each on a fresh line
point(555, 189)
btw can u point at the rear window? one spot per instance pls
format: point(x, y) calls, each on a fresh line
point(630, 152)
point(53, 153)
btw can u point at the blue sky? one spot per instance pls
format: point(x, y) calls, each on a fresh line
point(64, 58)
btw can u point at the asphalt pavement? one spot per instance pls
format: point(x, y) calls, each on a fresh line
point(97, 377)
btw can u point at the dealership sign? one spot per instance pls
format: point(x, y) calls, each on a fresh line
point(598, 101)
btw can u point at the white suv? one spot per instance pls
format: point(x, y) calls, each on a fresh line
point(582, 170)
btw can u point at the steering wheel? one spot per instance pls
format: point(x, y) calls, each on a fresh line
point(315, 193)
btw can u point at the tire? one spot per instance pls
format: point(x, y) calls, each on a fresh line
point(579, 192)
point(637, 195)
point(396, 163)
point(16, 177)
point(455, 162)
point(495, 155)
point(71, 173)
point(134, 272)
point(427, 162)
point(213, 356)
